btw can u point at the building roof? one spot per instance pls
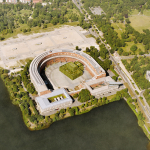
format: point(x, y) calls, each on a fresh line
point(44, 102)
point(109, 82)
point(105, 79)
point(37, 63)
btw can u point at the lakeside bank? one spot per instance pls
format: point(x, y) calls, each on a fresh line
point(114, 123)
point(21, 92)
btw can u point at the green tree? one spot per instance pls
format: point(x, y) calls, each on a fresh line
point(133, 48)
point(77, 48)
point(71, 111)
point(115, 78)
point(84, 95)
point(62, 111)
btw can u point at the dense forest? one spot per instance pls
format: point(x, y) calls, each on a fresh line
point(115, 10)
point(13, 16)
point(138, 67)
point(117, 7)
point(93, 52)
point(8, 17)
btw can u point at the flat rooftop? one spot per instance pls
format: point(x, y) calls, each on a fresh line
point(44, 102)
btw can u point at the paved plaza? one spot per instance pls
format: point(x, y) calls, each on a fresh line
point(14, 50)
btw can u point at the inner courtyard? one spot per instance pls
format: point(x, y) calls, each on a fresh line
point(60, 80)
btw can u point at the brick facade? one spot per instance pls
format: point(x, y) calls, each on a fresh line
point(45, 92)
point(69, 59)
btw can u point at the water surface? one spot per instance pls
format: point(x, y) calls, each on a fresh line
point(110, 127)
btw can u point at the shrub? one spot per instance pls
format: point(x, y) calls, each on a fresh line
point(71, 111)
point(136, 92)
point(75, 95)
point(77, 48)
point(115, 78)
point(84, 95)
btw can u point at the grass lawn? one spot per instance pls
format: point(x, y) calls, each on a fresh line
point(88, 35)
point(111, 96)
point(129, 89)
point(140, 22)
point(24, 61)
point(134, 12)
point(129, 44)
point(146, 12)
point(118, 27)
point(50, 27)
point(142, 101)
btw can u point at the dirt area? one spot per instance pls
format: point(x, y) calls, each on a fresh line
point(25, 46)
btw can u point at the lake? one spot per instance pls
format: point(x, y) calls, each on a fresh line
point(109, 127)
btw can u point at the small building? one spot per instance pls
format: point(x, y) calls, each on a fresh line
point(45, 106)
point(102, 86)
point(148, 75)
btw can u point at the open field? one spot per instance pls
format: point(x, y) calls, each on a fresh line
point(140, 22)
point(134, 12)
point(119, 28)
point(111, 96)
point(129, 44)
point(14, 51)
point(146, 12)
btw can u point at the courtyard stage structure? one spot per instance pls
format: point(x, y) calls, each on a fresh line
point(61, 55)
point(61, 100)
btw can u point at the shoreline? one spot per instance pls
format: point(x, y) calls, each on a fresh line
point(43, 122)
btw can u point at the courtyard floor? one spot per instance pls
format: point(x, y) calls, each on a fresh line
point(59, 80)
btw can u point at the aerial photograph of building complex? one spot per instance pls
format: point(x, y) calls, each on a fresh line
point(75, 74)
